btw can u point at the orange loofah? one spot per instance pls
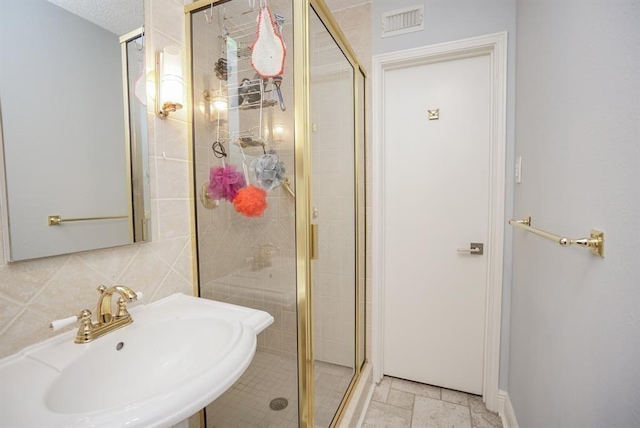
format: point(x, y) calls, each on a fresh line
point(250, 201)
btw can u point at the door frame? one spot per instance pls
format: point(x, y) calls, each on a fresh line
point(494, 45)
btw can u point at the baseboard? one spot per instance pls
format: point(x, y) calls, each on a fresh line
point(505, 410)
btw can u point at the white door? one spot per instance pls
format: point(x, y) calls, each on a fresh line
point(437, 201)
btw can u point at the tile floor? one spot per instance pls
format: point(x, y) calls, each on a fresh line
point(331, 383)
point(246, 403)
point(398, 403)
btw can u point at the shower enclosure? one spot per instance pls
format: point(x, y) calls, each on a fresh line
point(279, 194)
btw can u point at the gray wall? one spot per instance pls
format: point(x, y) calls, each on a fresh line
point(575, 318)
point(449, 20)
point(63, 130)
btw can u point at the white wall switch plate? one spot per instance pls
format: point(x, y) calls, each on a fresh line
point(518, 170)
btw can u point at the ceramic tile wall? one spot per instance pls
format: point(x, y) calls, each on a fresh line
point(32, 293)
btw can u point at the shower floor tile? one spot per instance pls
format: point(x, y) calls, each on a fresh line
point(246, 403)
point(331, 383)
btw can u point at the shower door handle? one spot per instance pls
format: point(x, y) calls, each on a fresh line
point(314, 241)
point(475, 248)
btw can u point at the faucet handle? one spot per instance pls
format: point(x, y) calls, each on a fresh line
point(84, 316)
point(122, 308)
point(61, 323)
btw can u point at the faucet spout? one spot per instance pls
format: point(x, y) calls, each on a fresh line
point(105, 313)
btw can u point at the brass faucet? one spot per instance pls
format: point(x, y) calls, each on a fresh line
point(106, 320)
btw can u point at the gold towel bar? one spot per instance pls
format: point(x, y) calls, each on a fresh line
point(55, 220)
point(595, 242)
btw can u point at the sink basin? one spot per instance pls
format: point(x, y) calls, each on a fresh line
point(156, 357)
point(178, 355)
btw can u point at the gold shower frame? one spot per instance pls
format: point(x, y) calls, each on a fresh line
point(302, 10)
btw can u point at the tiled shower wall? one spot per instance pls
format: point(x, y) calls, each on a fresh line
point(228, 242)
point(32, 293)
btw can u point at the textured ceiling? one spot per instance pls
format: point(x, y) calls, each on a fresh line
point(117, 16)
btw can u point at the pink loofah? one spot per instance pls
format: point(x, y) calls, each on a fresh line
point(225, 182)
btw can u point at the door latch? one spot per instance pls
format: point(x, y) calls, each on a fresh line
point(475, 248)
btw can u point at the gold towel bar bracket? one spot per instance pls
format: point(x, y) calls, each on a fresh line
point(595, 241)
point(525, 221)
point(56, 220)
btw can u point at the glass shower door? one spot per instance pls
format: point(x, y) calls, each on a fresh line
point(333, 200)
point(246, 258)
point(308, 360)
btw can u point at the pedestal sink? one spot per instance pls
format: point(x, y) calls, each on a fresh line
point(178, 355)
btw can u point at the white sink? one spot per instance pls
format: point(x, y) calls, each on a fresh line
point(178, 355)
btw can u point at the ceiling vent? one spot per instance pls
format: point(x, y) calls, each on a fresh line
point(401, 21)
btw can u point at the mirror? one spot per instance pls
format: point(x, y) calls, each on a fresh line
point(74, 136)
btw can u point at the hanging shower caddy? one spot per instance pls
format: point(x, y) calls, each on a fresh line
point(243, 89)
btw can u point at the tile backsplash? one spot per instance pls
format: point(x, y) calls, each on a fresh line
point(35, 292)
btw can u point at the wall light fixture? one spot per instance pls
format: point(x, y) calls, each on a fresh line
point(169, 81)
